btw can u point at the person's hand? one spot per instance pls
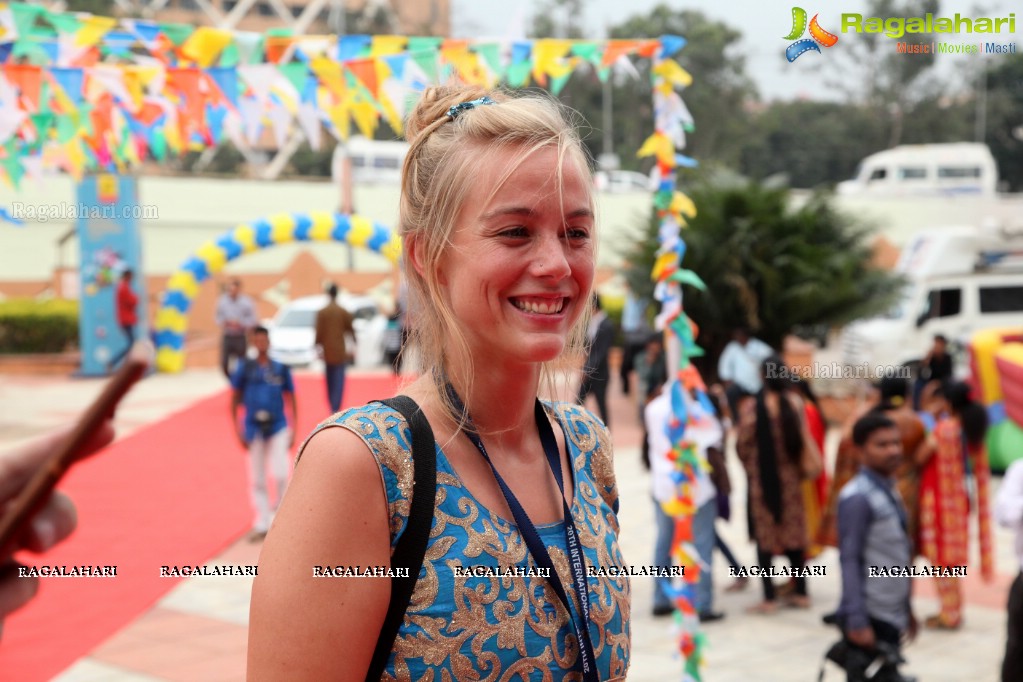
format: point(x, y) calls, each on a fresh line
point(913, 629)
point(240, 432)
point(863, 637)
point(52, 524)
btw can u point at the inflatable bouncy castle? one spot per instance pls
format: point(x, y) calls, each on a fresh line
point(996, 366)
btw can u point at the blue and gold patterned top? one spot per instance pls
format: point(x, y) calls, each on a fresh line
point(471, 627)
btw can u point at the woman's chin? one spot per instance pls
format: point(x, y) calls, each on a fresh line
point(543, 350)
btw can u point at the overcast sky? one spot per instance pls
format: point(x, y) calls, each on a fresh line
point(763, 23)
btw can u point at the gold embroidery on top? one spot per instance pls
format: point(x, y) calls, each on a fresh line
point(507, 613)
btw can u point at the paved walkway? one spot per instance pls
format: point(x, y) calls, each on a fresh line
point(198, 630)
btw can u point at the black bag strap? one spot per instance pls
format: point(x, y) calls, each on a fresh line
point(411, 546)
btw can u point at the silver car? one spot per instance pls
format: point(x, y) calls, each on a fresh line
point(293, 330)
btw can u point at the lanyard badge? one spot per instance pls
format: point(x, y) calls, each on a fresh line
point(577, 561)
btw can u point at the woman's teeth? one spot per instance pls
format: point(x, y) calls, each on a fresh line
point(549, 308)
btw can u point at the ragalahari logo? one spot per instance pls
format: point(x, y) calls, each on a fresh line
point(818, 36)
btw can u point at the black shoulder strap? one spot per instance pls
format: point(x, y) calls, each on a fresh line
point(411, 546)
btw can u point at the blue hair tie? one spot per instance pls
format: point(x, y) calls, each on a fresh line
point(457, 110)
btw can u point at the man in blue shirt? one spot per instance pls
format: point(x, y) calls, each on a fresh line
point(872, 535)
point(740, 364)
point(265, 390)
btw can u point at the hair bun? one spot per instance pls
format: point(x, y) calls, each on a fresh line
point(434, 103)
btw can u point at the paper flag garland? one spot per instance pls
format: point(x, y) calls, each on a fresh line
point(206, 80)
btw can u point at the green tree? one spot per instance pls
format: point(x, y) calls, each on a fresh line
point(767, 265)
point(721, 92)
point(819, 143)
point(558, 19)
point(812, 143)
point(1004, 125)
point(308, 162)
point(892, 86)
point(717, 99)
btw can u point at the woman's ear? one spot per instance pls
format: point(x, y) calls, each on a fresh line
point(415, 248)
point(415, 253)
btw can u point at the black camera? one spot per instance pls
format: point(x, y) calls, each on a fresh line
point(265, 421)
point(879, 664)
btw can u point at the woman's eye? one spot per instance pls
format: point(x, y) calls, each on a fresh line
point(514, 232)
point(577, 233)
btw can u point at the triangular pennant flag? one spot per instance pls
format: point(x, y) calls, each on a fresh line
point(93, 29)
point(330, 74)
point(28, 79)
point(158, 143)
point(25, 17)
point(176, 33)
point(12, 164)
point(491, 53)
point(670, 44)
point(309, 89)
point(617, 48)
point(280, 122)
point(226, 79)
point(186, 81)
point(671, 71)
point(118, 43)
point(587, 50)
point(309, 120)
point(518, 74)
point(112, 80)
point(205, 45)
point(546, 55)
point(70, 81)
point(230, 56)
point(365, 116)
point(250, 47)
point(277, 46)
point(427, 61)
point(352, 47)
point(67, 128)
point(521, 52)
point(297, 74)
point(424, 43)
point(396, 63)
point(51, 50)
point(558, 83)
point(365, 70)
point(689, 278)
point(252, 117)
point(145, 31)
point(259, 77)
point(383, 46)
point(10, 120)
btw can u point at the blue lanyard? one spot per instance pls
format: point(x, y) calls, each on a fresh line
point(536, 546)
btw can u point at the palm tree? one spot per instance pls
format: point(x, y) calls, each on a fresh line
point(767, 265)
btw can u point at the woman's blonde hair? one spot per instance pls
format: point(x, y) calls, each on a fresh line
point(445, 158)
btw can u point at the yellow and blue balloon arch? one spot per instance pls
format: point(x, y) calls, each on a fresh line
point(171, 320)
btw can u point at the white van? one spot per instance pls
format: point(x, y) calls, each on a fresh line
point(926, 169)
point(959, 281)
point(374, 162)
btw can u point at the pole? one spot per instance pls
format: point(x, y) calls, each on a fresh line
point(980, 128)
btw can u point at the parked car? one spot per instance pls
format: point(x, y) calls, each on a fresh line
point(293, 330)
point(618, 181)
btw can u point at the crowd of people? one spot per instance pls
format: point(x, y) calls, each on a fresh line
point(906, 484)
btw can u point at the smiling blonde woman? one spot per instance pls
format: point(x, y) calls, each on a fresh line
point(497, 218)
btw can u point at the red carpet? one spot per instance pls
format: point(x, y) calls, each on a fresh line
point(172, 493)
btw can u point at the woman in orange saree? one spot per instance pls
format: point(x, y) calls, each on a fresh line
point(945, 502)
